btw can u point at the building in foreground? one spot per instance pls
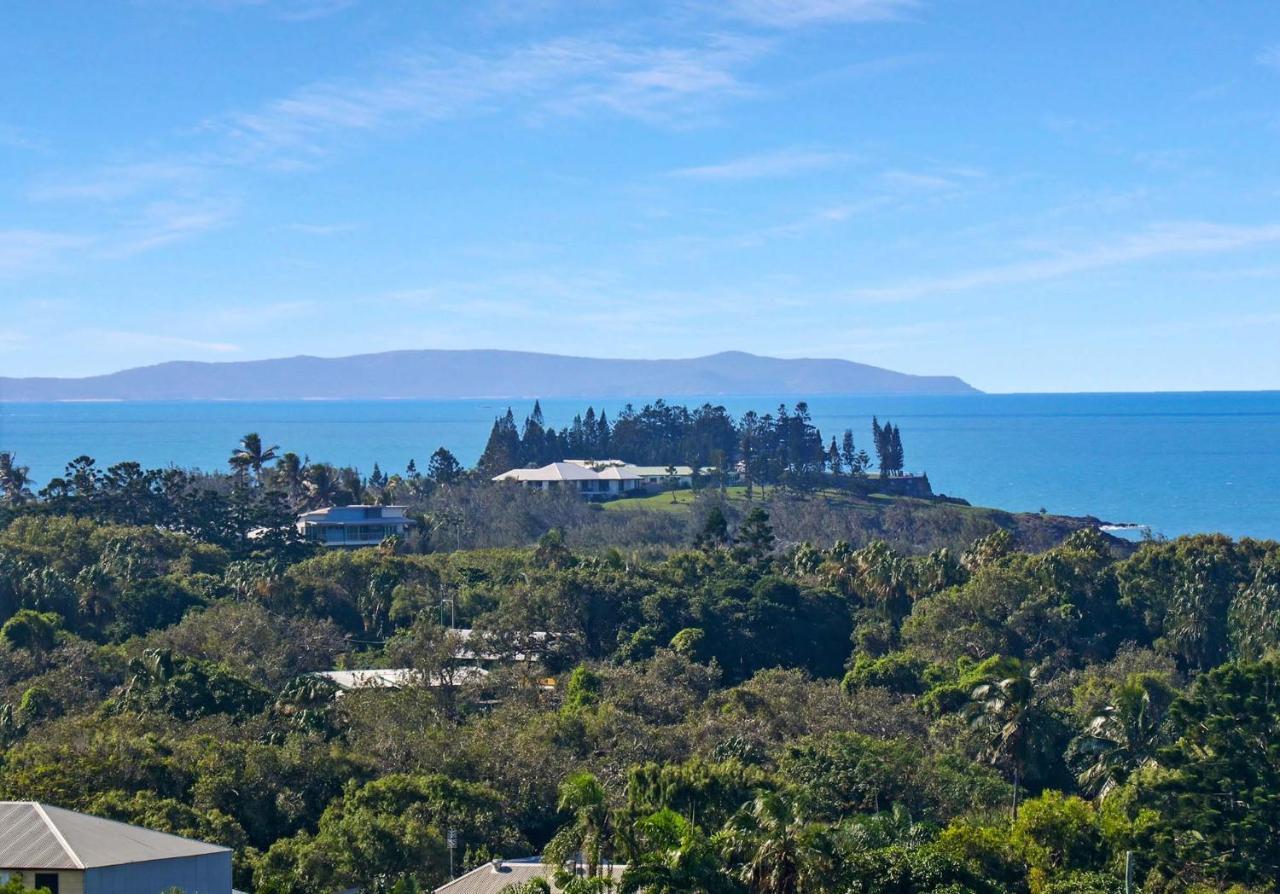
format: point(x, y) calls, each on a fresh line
point(74, 853)
point(354, 525)
point(495, 875)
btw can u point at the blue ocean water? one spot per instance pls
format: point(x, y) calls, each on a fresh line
point(1180, 463)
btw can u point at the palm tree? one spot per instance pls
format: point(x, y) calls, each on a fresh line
point(321, 484)
point(882, 578)
point(674, 857)
point(288, 473)
point(14, 480)
point(1016, 721)
point(1124, 736)
point(94, 587)
point(588, 837)
point(251, 454)
point(774, 850)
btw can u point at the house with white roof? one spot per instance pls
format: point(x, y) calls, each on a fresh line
point(494, 876)
point(613, 481)
point(354, 526)
point(74, 853)
point(603, 479)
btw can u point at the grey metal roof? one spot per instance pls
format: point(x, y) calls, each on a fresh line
point(356, 513)
point(37, 836)
point(494, 876)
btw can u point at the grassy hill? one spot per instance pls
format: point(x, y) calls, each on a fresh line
point(822, 517)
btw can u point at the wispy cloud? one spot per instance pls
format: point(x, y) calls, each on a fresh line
point(22, 251)
point(560, 77)
point(254, 314)
point(1162, 240)
point(311, 229)
point(287, 10)
point(163, 223)
point(117, 182)
point(19, 138)
point(799, 13)
point(1270, 57)
point(151, 341)
point(781, 163)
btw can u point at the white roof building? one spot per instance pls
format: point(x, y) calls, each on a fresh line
point(494, 876)
point(601, 479)
point(399, 678)
point(74, 853)
point(357, 525)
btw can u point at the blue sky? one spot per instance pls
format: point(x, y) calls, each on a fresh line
point(1034, 196)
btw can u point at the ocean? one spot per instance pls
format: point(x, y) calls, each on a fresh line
point(1178, 463)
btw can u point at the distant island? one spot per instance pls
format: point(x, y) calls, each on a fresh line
point(444, 375)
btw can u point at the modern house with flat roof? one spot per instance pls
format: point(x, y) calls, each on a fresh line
point(74, 853)
point(354, 525)
point(494, 876)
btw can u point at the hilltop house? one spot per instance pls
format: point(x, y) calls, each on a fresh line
point(74, 853)
point(589, 483)
point(603, 479)
point(494, 876)
point(354, 525)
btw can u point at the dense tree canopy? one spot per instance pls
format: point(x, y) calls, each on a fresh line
point(731, 710)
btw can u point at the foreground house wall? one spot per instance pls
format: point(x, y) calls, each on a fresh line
point(206, 874)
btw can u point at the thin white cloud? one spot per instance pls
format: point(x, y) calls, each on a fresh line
point(163, 223)
point(800, 13)
point(255, 314)
point(566, 76)
point(286, 10)
point(782, 163)
point(1270, 57)
point(19, 138)
point(321, 229)
point(152, 341)
point(22, 251)
point(916, 181)
point(11, 339)
point(1162, 240)
point(117, 182)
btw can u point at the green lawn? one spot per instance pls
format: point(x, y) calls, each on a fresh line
point(681, 500)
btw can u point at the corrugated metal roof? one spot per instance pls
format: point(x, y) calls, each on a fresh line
point(491, 878)
point(28, 842)
point(37, 836)
point(550, 472)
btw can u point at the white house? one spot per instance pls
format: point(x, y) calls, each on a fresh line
point(588, 482)
point(358, 525)
point(603, 479)
point(496, 875)
point(74, 853)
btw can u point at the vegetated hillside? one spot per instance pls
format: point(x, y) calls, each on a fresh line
point(852, 719)
point(479, 373)
point(823, 517)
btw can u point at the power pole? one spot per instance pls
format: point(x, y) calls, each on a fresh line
point(452, 840)
point(1128, 872)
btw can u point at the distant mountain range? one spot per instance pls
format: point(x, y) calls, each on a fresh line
point(481, 373)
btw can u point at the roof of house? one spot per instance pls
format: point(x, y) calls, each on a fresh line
point(619, 473)
point(662, 471)
point(492, 877)
point(354, 514)
point(550, 472)
point(37, 836)
point(398, 677)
